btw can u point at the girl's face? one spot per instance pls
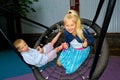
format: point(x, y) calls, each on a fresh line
point(23, 47)
point(70, 26)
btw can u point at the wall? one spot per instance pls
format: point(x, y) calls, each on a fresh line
point(88, 9)
point(48, 13)
point(52, 11)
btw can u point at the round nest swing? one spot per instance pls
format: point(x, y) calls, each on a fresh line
point(52, 72)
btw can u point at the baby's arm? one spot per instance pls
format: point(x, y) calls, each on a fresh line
point(40, 49)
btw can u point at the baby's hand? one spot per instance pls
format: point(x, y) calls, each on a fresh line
point(85, 43)
point(40, 49)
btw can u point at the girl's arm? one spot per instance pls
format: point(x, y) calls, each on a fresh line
point(85, 43)
point(64, 45)
point(88, 36)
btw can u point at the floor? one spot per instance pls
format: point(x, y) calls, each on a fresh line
point(111, 72)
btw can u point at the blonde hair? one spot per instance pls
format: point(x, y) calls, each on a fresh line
point(72, 14)
point(17, 42)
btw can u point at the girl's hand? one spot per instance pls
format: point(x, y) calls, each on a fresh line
point(65, 45)
point(85, 43)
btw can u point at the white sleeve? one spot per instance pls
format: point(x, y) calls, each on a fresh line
point(33, 60)
point(28, 59)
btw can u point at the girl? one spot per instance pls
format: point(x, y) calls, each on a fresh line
point(77, 43)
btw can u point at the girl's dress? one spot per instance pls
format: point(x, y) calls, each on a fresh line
point(72, 58)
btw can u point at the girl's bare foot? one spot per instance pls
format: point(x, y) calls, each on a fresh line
point(58, 63)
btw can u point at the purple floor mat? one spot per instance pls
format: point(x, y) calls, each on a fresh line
point(23, 77)
point(111, 72)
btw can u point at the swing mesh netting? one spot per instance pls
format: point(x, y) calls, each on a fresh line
point(53, 72)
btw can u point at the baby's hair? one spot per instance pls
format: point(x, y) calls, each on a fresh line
point(74, 14)
point(17, 42)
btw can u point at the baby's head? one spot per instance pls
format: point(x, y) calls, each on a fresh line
point(21, 45)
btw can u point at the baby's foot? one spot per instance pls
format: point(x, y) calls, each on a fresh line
point(60, 29)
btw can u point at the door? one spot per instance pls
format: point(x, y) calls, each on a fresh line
point(74, 4)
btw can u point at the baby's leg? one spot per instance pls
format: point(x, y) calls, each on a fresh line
point(54, 40)
point(60, 30)
point(53, 53)
point(47, 48)
point(58, 49)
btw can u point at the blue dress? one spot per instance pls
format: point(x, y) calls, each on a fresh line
point(72, 58)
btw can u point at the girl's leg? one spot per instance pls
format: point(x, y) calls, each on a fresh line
point(58, 49)
point(58, 63)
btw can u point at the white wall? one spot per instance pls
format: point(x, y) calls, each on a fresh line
point(88, 9)
point(48, 13)
point(52, 11)
point(115, 20)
